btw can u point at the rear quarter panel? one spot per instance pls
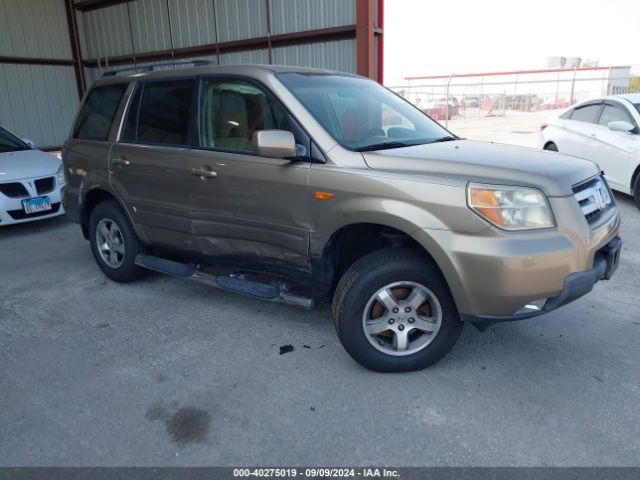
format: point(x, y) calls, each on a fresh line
point(86, 168)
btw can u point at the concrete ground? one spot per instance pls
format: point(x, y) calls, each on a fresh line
point(166, 372)
point(514, 128)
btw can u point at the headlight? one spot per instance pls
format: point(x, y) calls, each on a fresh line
point(60, 176)
point(510, 208)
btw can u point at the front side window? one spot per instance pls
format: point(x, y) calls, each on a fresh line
point(232, 110)
point(361, 114)
point(97, 112)
point(587, 114)
point(611, 113)
point(164, 113)
point(10, 143)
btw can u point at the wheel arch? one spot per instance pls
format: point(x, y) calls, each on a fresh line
point(635, 175)
point(350, 242)
point(94, 197)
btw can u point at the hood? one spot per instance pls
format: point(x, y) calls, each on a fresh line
point(485, 162)
point(27, 164)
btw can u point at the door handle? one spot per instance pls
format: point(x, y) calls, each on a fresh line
point(203, 172)
point(120, 161)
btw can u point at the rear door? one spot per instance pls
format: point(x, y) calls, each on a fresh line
point(86, 152)
point(579, 128)
point(249, 206)
point(615, 152)
point(150, 164)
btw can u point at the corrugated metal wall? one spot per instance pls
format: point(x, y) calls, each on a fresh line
point(33, 28)
point(192, 23)
point(36, 101)
point(337, 55)
point(299, 15)
point(105, 32)
point(40, 101)
point(156, 25)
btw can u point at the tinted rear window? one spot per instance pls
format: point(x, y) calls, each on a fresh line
point(567, 114)
point(586, 114)
point(165, 112)
point(97, 112)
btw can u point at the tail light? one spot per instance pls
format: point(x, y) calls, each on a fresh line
point(543, 126)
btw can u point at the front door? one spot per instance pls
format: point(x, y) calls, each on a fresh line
point(244, 205)
point(615, 152)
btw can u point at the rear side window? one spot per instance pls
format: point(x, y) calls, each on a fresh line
point(567, 114)
point(97, 112)
point(165, 112)
point(612, 113)
point(588, 113)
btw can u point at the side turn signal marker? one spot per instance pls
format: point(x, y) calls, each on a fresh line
point(324, 196)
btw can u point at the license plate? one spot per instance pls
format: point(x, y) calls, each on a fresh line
point(35, 205)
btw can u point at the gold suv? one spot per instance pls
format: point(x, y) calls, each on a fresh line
point(304, 186)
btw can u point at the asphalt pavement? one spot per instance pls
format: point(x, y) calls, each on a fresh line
point(167, 372)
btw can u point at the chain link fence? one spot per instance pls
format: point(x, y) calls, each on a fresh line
point(455, 96)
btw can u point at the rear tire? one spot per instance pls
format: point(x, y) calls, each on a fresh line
point(636, 191)
point(552, 147)
point(379, 316)
point(114, 242)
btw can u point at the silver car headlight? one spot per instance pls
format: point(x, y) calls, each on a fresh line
point(510, 208)
point(60, 180)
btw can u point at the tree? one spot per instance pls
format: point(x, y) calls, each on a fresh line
point(634, 85)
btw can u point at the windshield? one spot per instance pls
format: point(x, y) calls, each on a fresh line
point(637, 105)
point(10, 143)
point(360, 114)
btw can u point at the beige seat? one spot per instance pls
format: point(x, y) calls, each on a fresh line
point(230, 121)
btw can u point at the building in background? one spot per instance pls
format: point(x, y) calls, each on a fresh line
point(51, 50)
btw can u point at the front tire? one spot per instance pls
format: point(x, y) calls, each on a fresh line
point(114, 242)
point(552, 147)
point(636, 191)
point(393, 311)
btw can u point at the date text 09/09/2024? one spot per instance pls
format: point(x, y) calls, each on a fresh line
point(315, 472)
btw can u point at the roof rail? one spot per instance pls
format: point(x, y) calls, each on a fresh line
point(152, 66)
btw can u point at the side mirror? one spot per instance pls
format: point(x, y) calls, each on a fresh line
point(274, 143)
point(620, 126)
point(29, 142)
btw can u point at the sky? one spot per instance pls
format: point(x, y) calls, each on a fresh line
point(435, 37)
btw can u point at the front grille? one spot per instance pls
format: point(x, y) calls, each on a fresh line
point(45, 185)
point(13, 190)
point(20, 215)
point(594, 198)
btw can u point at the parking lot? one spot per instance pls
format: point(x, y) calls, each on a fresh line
point(165, 372)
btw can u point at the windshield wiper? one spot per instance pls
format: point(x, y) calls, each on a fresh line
point(384, 146)
point(448, 138)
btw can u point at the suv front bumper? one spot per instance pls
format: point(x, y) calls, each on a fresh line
point(576, 285)
point(495, 276)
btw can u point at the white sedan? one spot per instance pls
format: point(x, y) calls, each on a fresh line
point(30, 182)
point(605, 130)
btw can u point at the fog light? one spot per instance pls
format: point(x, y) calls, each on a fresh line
point(534, 306)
